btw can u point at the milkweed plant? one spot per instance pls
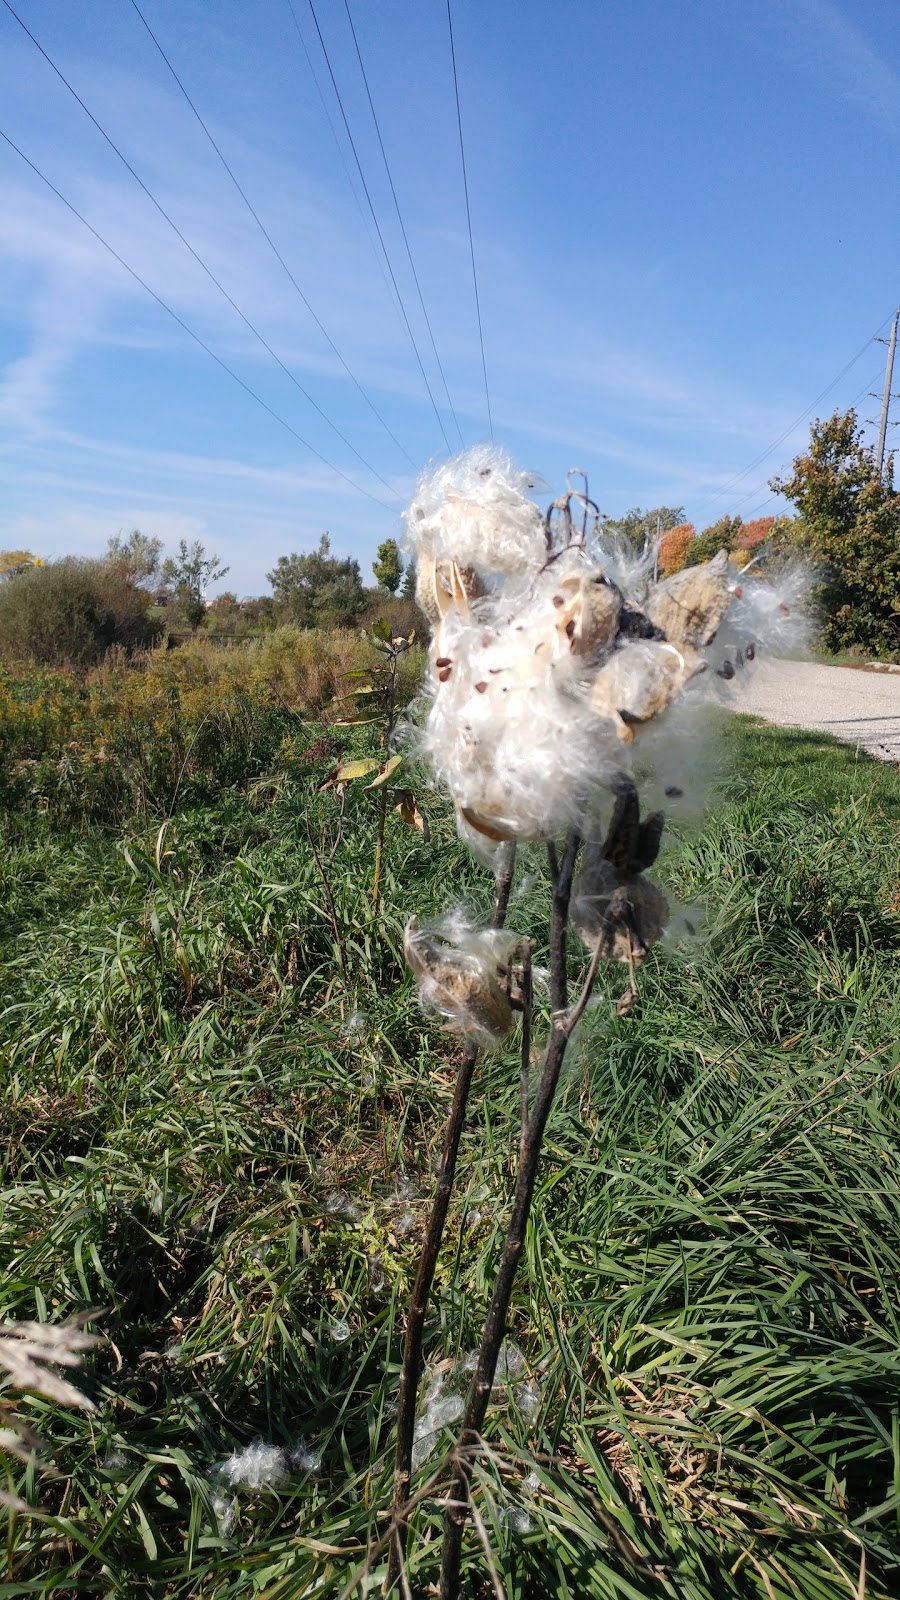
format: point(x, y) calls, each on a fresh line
point(563, 690)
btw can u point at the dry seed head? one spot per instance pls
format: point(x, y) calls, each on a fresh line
point(464, 975)
point(625, 919)
point(690, 606)
point(614, 907)
point(546, 664)
point(475, 510)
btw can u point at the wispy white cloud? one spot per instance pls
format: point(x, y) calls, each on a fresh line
point(819, 37)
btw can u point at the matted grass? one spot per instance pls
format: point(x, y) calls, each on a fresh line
point(200, 1135)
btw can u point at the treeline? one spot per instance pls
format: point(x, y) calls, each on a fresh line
point(845, 527)
point(71, 612)
point(846, 530)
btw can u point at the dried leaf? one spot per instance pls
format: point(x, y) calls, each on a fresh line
point(386, 773)
point(347, 771)
point(411, 815)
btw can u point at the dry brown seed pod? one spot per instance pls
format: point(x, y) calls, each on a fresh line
point(624, 919)
point(640, 680)
point(442, 584)
point(690, 606)
point(469, 985)
point(590, 607)
point(614, 908)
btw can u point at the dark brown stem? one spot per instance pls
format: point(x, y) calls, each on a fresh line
point(561, 1028)
point(525, 1070)
point(331, 911)
point(411, 1367)
point(379, 850)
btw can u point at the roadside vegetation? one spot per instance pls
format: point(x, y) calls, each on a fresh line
point(220, 1107)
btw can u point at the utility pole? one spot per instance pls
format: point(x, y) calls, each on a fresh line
point(886, 397)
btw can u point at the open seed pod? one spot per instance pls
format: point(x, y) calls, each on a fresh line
point(590, 606)
point(615, 908)
point(640, 679)
point(442, 583)
point(690, 606)
point(464, 975)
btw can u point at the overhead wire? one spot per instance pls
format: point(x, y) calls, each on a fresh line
point(462, 157)
point(188, 329)
point(367, 229)
point(717, 494)
point(377, 225)
point(403, 232)
point(855, 401)
point(199, 259)
point(270, 241)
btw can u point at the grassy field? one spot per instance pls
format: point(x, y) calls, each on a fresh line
point(220, 1106)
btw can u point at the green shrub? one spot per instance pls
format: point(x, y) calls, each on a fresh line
point(70, 613)
point(849, 525)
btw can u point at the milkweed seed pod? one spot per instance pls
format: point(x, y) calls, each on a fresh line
point(464, 975)
point(511, 730)
point(624, 920)
point(689, 607)
point(590, 608)
point(441, 583)
point(475, 510)
point(614, 907)
point(640, 680)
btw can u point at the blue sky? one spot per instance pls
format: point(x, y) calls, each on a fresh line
point(685, 223)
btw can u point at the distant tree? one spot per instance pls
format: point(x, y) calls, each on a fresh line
point(388, 567)
point(12, 562)
point(638, 527)
point(190, 573)
point(849, 525)
point(753, 534)
point(721, 535)
point(318, 589)
point(69, 613)
point(138, 556)
point(258, 609)
point(673, 548)
point(408, 592)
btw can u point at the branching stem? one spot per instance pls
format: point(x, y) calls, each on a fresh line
point(411, 1367)
point(563, 1022)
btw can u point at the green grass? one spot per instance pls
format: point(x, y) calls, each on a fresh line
point(708, 1305)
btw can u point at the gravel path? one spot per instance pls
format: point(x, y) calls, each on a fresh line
point(859, 707)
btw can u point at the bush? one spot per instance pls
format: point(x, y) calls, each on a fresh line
point(849, 526)
point(133, 733)
point(69, 613)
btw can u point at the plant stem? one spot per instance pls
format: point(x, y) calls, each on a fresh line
point(379, 850)
point(525, 1070)
point(410, 1370)
point(562, 1024)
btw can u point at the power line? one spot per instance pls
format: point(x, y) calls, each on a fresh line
point(400, 220)
point(343, 159)
point(718, 493)
point(462, 156)
point(188, 330)
point(199, 260)
point(270, 241)
point(855, 401)
point(362, 178)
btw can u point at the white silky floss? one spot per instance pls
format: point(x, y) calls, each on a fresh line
point(474, 510)
point(511, 730)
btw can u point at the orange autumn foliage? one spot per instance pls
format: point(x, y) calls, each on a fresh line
point(673, 547)
point(751, 534)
